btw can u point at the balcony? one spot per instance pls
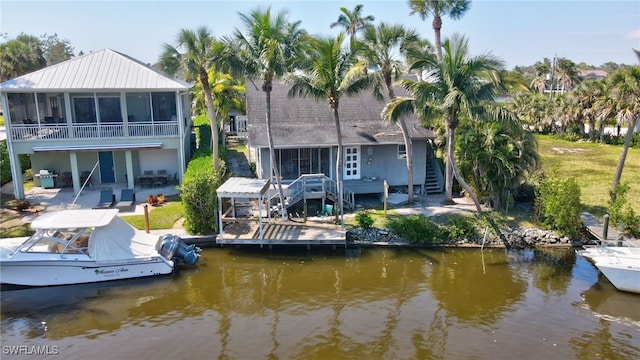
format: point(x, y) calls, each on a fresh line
point(21, 132)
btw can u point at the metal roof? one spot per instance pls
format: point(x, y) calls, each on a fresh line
point(239, 187)
point(101, 70)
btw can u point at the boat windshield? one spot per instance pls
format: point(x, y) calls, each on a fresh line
point(57, 241)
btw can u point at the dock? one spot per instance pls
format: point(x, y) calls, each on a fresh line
point(596, 228)
point(282, 233)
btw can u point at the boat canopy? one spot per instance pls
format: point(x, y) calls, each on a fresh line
point(73, 219)
point(120, 241)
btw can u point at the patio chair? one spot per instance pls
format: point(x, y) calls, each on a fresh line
point(127, 200)
point(107, 200)
point(326, 212)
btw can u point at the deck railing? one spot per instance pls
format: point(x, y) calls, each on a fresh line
point(312, 184)
point(93, 131)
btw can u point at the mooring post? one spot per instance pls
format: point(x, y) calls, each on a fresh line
point(146, 218)
point(605, 229)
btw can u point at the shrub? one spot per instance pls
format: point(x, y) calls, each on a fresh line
point(5, 165)
point(198, 194)
point(619, 214)
point(417, 228)
point(462, 227)
point(557, 205)
point(364, 219)
point(631, 223)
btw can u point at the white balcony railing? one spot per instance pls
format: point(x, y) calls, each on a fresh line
point(93, 131)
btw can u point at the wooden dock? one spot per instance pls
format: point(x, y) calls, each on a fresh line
point(283, 233)
point(596, 228)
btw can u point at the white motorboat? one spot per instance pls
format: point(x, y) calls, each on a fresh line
point(88, 245)
point(619, 264)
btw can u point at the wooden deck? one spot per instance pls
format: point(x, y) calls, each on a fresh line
point(282, 233)
point(596, 228)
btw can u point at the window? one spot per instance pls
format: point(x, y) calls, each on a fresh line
point(402, 151)
point(84, 109)
point(109, 106)
point(138, 107)
point(164, 106)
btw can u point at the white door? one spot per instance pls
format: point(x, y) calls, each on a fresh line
point(351, 162)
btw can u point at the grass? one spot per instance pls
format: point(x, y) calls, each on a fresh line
point(162, 217)
point(593, 166)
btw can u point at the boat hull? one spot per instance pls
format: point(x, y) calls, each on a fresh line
point(65, 272)
point(623, 278)
point(620, 265)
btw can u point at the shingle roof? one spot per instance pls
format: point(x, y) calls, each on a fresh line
point(100, 70)
point(297, 121)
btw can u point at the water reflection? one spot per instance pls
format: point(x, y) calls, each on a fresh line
point(381, 304)
point(475, 287)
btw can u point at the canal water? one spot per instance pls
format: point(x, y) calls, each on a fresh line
point(371, 304)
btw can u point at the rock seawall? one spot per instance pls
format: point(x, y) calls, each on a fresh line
point(517, 238)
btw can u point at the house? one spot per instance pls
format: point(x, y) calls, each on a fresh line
point(103, 114)
point(304, 136)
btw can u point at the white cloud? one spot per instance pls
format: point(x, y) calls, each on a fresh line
point(633, 34)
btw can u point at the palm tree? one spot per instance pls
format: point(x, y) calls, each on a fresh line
point(496, 156)
point(227, 94)
point(267, 48)
point(332, 74)
point(352, 22)
point(626, 93)
point(456, 86)
point(381, 47)
point(199, 54)
point(20, 56)
point(455, 9)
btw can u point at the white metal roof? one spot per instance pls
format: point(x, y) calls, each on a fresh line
point(69, 219)
point(101, 70)
point(239, 187)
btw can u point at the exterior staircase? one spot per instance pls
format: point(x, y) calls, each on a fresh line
point(311, 186)
point(434, 180)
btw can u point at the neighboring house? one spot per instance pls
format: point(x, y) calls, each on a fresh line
point(103, 108)
point(594, 74)
point(304, 136)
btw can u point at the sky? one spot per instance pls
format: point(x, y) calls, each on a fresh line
point(517, 31)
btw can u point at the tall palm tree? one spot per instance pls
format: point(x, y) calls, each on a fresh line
point(626, 93)
point(455, 87)
point(352, 22)
point(267, 48)
point(195, 53)
point(332, 74)
point(455, 9)
point(381, 47)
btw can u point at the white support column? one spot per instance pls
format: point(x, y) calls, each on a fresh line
point(129, 163)
point(68, 115)
point(125, 113)
point(260, 215)
point(16, 170)
point(75, 173)
point(220, 217)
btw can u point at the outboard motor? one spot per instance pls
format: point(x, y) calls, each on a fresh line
point(171, 246)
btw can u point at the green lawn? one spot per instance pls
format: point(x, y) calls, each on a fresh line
point(593, 166)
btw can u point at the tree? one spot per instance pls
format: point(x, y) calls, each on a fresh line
point(455, 9)
point(227, 94)
point(496, 156)
point(55, 50)
point(456, 86)
point(352, 22)
point(332, 74)
point(626, 93)
point(199, 55)
point(381, 47)
point(267, 48)
point(20, 56)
